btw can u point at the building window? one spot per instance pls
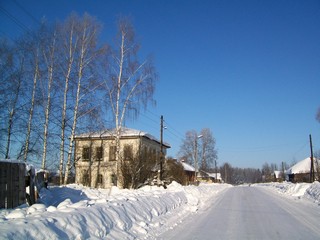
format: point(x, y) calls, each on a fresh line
point(99, 180)
point(85, 178)
point(154, 155)
point(99, 153)
point(145, 151)
point(114, 179)
point(127, 152)
point(85, 153)
point(112, 153)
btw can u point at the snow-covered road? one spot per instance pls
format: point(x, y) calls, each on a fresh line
point(251, 213)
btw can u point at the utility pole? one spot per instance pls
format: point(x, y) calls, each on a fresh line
point(311, 158)
point(161, 148)
point(195, 158)
point(215, 163)
point(225, 173)
point(196, 154)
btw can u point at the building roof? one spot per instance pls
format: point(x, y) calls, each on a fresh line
point(125, 133)
point(214, 175)
point(277, 174)
point(210, 175)
point(187, 167)
point(302, 166)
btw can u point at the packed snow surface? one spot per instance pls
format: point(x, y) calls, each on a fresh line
point(77, 212)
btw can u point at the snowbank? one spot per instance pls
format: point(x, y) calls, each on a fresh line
point(77, 212)
point(309, 191)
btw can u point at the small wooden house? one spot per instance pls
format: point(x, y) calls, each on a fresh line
point(209, 177)
point(189, 171)
point(300, 172)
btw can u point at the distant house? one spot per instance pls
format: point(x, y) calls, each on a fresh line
point(209, 177)
point(95, 155)
point(189, 171)
point(201, 175)
point(277, 176)
point(300, 172)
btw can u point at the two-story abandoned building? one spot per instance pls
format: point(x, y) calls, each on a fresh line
point(95, 157)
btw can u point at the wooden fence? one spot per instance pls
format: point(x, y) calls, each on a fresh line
point(19, 184)
point(12, 184)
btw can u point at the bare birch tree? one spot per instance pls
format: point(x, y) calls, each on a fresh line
point(198, 149)
point(208, 151)
point(130, 83)
point(12, 84)
point(48, 51)
point(188, 147)
point(70, 44)
point(6, 72)
point(18, 93)
point(137, 169)
point(88, 32)
point(33, 48)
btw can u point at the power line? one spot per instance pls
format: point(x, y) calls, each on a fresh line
point(169, 128)
point(172, 133)
point(177, 133)
point(27, 12)
point(151, 119)
point(264, 148)
point(168, 125)
point(301, 148)
point(15, 20)
point(156, 115)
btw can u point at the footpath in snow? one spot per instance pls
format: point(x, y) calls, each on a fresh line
point(77, 212)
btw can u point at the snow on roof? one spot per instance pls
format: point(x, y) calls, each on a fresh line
point(301, 167)
point(277, 174)
point(214, 175)
point(125, 132)
point(187, 167)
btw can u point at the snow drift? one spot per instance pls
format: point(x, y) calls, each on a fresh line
point(310, 191)
point(77, 212)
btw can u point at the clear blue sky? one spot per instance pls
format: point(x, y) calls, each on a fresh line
point(248, 70)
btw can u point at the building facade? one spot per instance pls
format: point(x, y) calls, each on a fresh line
point(95, 155)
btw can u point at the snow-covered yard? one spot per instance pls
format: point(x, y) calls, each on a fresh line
point(77, 212)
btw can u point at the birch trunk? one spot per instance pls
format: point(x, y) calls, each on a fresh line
point(132, 85)
point(50, 66)
point(9, 133)
point(117, 112)
point(12, 113)
point(82, 63)
point(35, 79)
point(64, 109)
point(74, 124)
